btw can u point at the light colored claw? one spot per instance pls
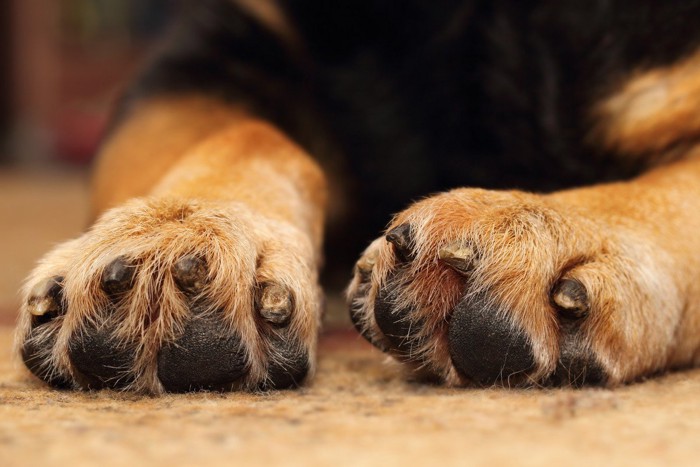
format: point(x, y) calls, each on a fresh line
point(571, 297)
point(458, 256)
point(42, 298)
point(366, 264)
point(275, 304)
point(42, 306)
point(567, 301)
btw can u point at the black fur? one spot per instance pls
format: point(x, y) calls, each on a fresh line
point(408, 98)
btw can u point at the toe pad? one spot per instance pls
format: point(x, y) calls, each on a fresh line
point(206, 356)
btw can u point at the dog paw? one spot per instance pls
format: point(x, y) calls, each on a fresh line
point(172, 295)
point(484, 287)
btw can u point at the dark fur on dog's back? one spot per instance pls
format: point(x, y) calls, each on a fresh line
point(424, 96)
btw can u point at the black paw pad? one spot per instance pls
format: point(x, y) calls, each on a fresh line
point(100, 359)
point(577, 371)
point(364, 269)
point(395, 323)
point(356, 316)
point(36, 353)
point(401, 238)
point(486, 346)
point(206, 356)
point(288, 366)
point(577, 365)
point(118, 277)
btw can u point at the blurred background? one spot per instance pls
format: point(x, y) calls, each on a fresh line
point(62, 65)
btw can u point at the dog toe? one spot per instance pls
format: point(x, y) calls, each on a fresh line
point(36, 354)
point(170, 311)
point(274, 304)
point(571, 298)
point(401, 238)
point(118, 277)
point(509, 288)
point(395, 322)
point(100, 360)
point(206, 356)
point(289, 364)
point(486, 346)
point(44, 305)
point(190, 273)
point(45, 301)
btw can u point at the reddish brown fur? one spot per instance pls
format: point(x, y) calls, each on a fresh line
point(194, 176)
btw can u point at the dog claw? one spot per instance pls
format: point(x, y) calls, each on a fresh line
point(458, 256)
point(275, 304)
point(45, 297)
point(190, 273)
point(402, 238)
point(43, 306)
point(571, 298)
point(365, 265)
point(118, 276)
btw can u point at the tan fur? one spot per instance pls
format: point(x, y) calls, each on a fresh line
point(633, 245)
point(652, 110)
point(192, 176)
point(154, 135)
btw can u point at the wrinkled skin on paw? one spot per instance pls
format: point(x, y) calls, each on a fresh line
point(168, 295)
point(508, 288)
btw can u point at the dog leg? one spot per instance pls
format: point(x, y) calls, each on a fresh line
point(588, 286)
point(200, 271)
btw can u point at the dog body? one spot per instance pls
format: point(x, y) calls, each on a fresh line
point(256, 119)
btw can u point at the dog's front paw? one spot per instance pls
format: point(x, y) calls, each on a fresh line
point(486, 287)
point(173, 295)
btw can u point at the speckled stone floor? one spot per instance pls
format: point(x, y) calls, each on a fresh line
point(357, 411)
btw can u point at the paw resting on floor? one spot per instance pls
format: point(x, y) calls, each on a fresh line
point(475, 286)
point(168, 295)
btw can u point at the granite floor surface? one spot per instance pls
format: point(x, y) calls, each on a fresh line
point(358, 410)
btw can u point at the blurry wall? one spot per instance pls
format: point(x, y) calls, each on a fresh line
point(65, 62)
point(4, 74)
point(62, 65)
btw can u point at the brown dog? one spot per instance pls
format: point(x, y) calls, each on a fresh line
point(201, 269)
